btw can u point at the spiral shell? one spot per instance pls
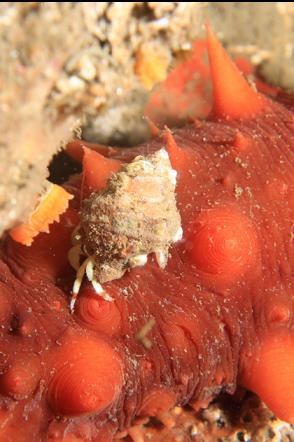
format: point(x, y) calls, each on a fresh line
point(135, 215)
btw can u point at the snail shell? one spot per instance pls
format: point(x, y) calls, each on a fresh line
point(136, 214)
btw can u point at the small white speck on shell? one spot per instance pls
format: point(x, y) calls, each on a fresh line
point(138, 260)
point(173, 176)
point(162, 153)
point(179, 235)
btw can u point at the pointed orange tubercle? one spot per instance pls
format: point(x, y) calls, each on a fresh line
point(155, 131)
point(177, 155)
point(97, 169)
point(233, 96)
point(270, 374)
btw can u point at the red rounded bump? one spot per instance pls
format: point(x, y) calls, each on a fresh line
point(21, 376)
point(228, 181)
point(157, 402)
point(233, 97)
point(270, 374)
point(88, 376)
point(28, 328)
point(223, 244)
point(202, 403)
point(97, 169)
point(219, 376)
point(146, 365)
point(96, 313)
point(241, 142)
point(175, 337)
point(279, 314)
point(197, 123)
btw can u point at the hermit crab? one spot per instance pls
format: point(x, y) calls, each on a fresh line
point(133, 216)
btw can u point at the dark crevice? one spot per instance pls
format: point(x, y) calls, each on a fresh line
point(143, 12)
point(62, 166)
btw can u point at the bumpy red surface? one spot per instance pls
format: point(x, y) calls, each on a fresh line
point(223, 307)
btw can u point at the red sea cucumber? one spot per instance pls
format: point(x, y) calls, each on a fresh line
point(221, 312)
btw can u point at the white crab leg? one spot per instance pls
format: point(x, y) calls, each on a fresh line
point(97, 287)
point(90, 269)
point(72, 302)
point(100, 291)
point(77, 283)
point(161, 257)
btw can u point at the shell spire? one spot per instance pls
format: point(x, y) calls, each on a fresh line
point(233, 97)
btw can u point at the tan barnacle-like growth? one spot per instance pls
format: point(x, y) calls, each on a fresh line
point(135, 215)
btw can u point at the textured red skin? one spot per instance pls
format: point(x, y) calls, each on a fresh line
point(215, 325)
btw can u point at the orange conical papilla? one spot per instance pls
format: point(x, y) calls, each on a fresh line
point(176, 154)
point(97, 169)
point(233, 97)
point(270, 374)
